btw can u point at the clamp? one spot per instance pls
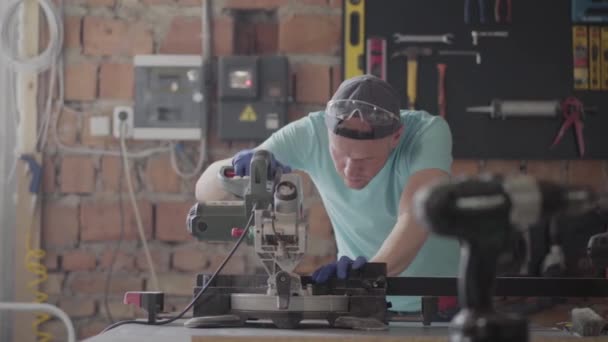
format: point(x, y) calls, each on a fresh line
point(572, 111)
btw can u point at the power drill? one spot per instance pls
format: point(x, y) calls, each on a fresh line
point(490, 215)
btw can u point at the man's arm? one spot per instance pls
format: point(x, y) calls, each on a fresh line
point(408, 236)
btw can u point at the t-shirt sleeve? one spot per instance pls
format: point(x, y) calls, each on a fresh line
point(293, 144)
point(432, 149)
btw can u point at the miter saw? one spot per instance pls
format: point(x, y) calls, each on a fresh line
point(270, 214)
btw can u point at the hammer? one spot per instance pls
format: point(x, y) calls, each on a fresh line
point(412, 53)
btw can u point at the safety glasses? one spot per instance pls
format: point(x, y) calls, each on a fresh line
point(381, 121)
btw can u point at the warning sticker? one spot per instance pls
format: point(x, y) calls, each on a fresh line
point(248, 114)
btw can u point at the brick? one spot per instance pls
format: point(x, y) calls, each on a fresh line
point(171, 221)
point(72, 29)
point(122, 261)
point(78, 260)
point(236, 265)
point(319, 224)
point(550, 170)
point(49, 175)
point(100, 3)
point(87, 283)
point(312, 83)
point(160, 257)
point(160, 176)
point(336, 77)
point(187, 3)
point(80, 82)
point(295, 112)
point(116, 81)
point(336, 3)
point(78, 307)
point(464, 167)
point(223, 36)
point(53, 284)
point(110, 37)
point(77, 174)
point(588, 173)
point(51, 261)
point(314, 2)
point(100, 221)
point(183, 37)
point(504, 167)
point(112, 174)
point(68, 125)
point(255, 4)
point(175, 284)
point(121, 311)
point(59, 225)
point(310, 34)
point(266, 38)
point(190, 259)
point(90, 329)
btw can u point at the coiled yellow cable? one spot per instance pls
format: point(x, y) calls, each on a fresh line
point(33, 263)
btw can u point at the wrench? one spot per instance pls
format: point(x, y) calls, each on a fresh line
point(422, 38)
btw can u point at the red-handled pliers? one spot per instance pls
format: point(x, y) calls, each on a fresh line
point(572, 111)
point(498, 10)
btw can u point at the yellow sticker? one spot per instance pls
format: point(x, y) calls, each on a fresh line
point(248, 114)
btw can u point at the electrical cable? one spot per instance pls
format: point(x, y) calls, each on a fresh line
point(140, 228)
point(199, 164)
point(120, 239)
point(200, 293)
point(46, 59)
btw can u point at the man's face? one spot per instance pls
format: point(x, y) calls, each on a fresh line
point(358, 161)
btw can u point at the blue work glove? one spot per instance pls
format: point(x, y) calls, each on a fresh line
point(339, 269)
point(242, 162)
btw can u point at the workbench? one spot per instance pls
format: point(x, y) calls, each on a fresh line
point(310, 331)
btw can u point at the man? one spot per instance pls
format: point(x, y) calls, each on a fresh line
point(367, 159)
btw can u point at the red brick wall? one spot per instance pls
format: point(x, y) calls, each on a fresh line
point(81, 201)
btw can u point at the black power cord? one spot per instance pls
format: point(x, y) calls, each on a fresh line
point(198, 295)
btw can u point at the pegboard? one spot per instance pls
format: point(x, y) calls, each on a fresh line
point(533, 63)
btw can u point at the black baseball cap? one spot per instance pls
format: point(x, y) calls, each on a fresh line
point(369, 94)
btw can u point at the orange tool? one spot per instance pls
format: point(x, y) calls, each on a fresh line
point(572, 110)
point(498, 10)
point(441, 91)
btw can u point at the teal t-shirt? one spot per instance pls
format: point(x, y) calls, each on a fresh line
point(362, 219)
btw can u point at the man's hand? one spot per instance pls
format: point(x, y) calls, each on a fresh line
point(242, 161)
point(340, 269)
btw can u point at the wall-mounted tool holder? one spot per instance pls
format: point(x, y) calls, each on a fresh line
point(530, 59)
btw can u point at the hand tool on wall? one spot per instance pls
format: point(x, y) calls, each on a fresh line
point(376, 57)
point(519, 108)
point(423, 38)
point(604, 57)
point(489, 216)
point(476, 34)
point(502, 11)
point(441, 99)
point(481, 8)
point(412, 53)
point(476, 54)
point(594, 58)
point(580, 52)
point(572, 111)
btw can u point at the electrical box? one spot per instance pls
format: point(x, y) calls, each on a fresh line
point(168, 97)
point(253, 96)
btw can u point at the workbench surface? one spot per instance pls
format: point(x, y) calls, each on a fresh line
point(309, 331)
